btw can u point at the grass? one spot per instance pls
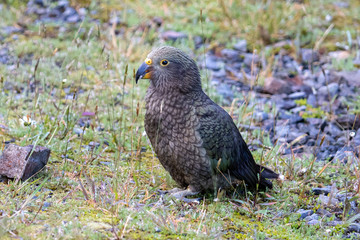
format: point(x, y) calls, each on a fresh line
point(102, 177)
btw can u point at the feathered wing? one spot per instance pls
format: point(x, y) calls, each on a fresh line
point(222, 140)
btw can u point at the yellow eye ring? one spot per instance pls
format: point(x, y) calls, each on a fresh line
point(164, 62)
point(148, 61)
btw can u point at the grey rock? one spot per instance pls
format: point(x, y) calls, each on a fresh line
point(297, 95)
point(218, 74)
point(334, 130)
point(225, 91)
point(173, 35)
point(46, 205)
point(282, 131)
point(342, 140)
point(326, 201)
point(276, 86)
point(304, 213)
point(250, 58)
point(293, 134)
point(241, 45)
point(260, 116)
point(334, 223)
point(345, 155)
point(298, 109)
point(349, 121)
point(314, 121)
point(94, 144)
point(309, 56)
point(23, 162)
point(331, 88)
point(212, 64)
point(323, 212)
point(69, 11)
point(230, 54)
point(354, 227)
point(8, 30)
point(312, 217)
point(311, 100)
point(352, 77)
point(63, 3)
point(313, 222)
point(78, 131)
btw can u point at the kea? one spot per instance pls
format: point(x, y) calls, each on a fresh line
point(195, 139)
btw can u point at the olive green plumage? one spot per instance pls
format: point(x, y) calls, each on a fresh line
point(194, 138)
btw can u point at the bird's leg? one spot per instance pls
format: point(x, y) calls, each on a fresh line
point(181, 195)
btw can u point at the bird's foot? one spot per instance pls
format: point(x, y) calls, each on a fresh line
point(181, 194)
point(174, 190)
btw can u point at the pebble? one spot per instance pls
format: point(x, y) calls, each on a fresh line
point(304, 213)
point(313, 222)
point(312, 217)
point(241, 45)
point(332, 89)
point(334, 223)
point(354, 227)
point(326, 201)
point(297, 95)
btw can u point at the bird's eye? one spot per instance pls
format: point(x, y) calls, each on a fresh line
point(164, 62)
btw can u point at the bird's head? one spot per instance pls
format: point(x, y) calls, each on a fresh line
point(170, 69)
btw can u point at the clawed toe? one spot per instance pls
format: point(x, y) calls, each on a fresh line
point(181, 195)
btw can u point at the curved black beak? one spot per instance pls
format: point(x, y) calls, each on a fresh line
point(143, 72)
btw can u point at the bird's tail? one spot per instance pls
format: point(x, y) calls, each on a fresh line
point(265, 175)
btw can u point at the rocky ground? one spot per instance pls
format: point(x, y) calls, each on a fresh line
point(304, 103)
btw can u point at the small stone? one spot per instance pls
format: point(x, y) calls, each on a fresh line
point(354, 227)
point(212, 64)
point(63, 3)
point(16, 161)
point(281, 131)
point(173, 35)
point(241, 45)
point(345, 155)
point(260, 116)
point(230, 54)
point(334, 223)
point(311, 100)
point(78, 131)
point(45, 205)
point(351, 77)
point(250, 59)
point(275, 86)
point(312, 217)
point(304, 213)
point(313, 222)
point(326, 201)
point(94, 144)
point(298, 109)
point(73, 18)
point(225, 91)
point(349, 121)
point(314, 121)
point(323, 212)
point(332, 89)
point(297, 95)
point(309, 56)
